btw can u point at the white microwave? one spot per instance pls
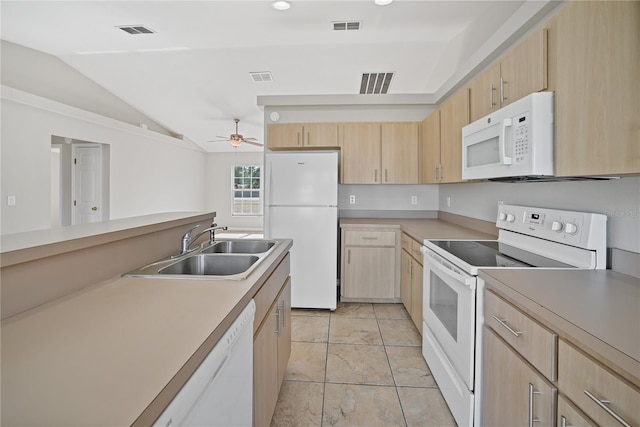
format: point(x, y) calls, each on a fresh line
point(514, 141)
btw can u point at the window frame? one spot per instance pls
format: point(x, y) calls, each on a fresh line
point(254, 209)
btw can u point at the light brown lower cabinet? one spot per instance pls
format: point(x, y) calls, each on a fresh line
point(521, 356)
point(369, 265)
point(569, 415)
point(514, 393)
point(603, 396)
point(411, 279)
point(271, 351)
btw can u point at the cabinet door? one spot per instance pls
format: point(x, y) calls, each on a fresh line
point(430, 144)
point(284, 328)
point(594, 63)
point(570, 416)
point(405, 280)
point(484, 93)
point(513, 393)
point(399, 153)
point(370, 272)
point(454, 115)
point(265, 373)
point(320, 134)
point(524, 68)
point(361, 153)
point(416, 295)
point(285, 135)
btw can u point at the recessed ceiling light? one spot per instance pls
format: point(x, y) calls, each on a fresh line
point(383, 2)
point(281, 5)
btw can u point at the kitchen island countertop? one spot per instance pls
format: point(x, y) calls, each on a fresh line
point(117, 352)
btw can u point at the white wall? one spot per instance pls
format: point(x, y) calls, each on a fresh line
point(618, 199)
point(149, 172)
point(45, 75)
point(218, 188)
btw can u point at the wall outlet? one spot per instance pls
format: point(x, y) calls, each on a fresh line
point(11, 200)
point(414, 200)
point(448, 201)
point(352, 199)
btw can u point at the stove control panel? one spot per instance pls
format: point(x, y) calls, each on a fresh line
point(579, 229)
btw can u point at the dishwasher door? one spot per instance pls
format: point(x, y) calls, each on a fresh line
point(220, 391)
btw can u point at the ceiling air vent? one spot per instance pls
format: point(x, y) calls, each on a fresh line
point(375, 83)
point(136, 29)
point(346, 25)
point(261, 76)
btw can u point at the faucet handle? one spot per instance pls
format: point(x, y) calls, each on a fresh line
point(188, 233)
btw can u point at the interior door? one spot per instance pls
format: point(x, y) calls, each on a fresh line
point(87, 185)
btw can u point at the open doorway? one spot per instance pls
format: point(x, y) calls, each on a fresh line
point(79, 182)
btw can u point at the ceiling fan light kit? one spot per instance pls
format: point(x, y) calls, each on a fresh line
point(236, 139)
point(383, 2)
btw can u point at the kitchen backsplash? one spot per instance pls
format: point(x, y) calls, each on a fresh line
point(619, 199)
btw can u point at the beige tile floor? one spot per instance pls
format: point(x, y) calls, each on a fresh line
point(360, 365)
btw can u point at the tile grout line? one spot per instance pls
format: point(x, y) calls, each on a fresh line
point(395, 385)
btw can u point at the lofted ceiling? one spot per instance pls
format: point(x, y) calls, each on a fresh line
point(192, 74)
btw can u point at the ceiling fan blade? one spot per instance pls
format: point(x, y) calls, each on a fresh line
point(219, 140)
point(250, 139)
point(223, 137)
point(256, 143)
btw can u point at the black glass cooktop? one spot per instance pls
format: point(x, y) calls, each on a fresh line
point(494, 254)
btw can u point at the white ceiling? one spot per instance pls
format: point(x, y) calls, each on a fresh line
point(192, 75)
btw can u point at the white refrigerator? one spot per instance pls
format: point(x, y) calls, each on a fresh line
point(301, 203)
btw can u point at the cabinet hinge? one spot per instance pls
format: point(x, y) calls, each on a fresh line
point(74, 203)
point(75, 161)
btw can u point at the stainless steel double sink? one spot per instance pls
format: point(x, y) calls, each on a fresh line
point(222, 260)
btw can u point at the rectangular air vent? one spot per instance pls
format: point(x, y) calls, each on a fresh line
point(346, 25)
point(375, 83)
point(261, 76)
point(136, 29)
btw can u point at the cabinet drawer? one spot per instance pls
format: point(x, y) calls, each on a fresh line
point(406, 242)
point(533, 341)
point(579, 376)
point(369, 238)
point(415, 250)
point(569, 415)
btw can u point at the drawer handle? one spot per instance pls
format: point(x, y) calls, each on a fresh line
point(531, 393)
point(503, 322)
point(369, 238)
point(603, 404)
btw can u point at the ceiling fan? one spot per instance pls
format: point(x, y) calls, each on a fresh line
point(236, 139)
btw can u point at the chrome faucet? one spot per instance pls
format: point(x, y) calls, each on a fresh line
point(187, 239)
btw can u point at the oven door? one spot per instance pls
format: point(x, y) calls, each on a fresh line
point(449, 309)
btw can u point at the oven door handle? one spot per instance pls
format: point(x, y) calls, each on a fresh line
point(441, 267)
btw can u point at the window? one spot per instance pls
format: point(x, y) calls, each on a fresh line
point(246, 191)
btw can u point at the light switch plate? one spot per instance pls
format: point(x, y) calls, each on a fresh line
point(11, 200)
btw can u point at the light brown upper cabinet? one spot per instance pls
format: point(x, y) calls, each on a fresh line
point(302, 135)
point(521, 71)
point(442, 140)
point(361, 150)
point(380, 153)
point(430, 142)
point(594, 64)
point(400, 153)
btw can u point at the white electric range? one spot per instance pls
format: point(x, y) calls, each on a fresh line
point(528, 237)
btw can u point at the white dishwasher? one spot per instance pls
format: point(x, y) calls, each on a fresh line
point(220, 391)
